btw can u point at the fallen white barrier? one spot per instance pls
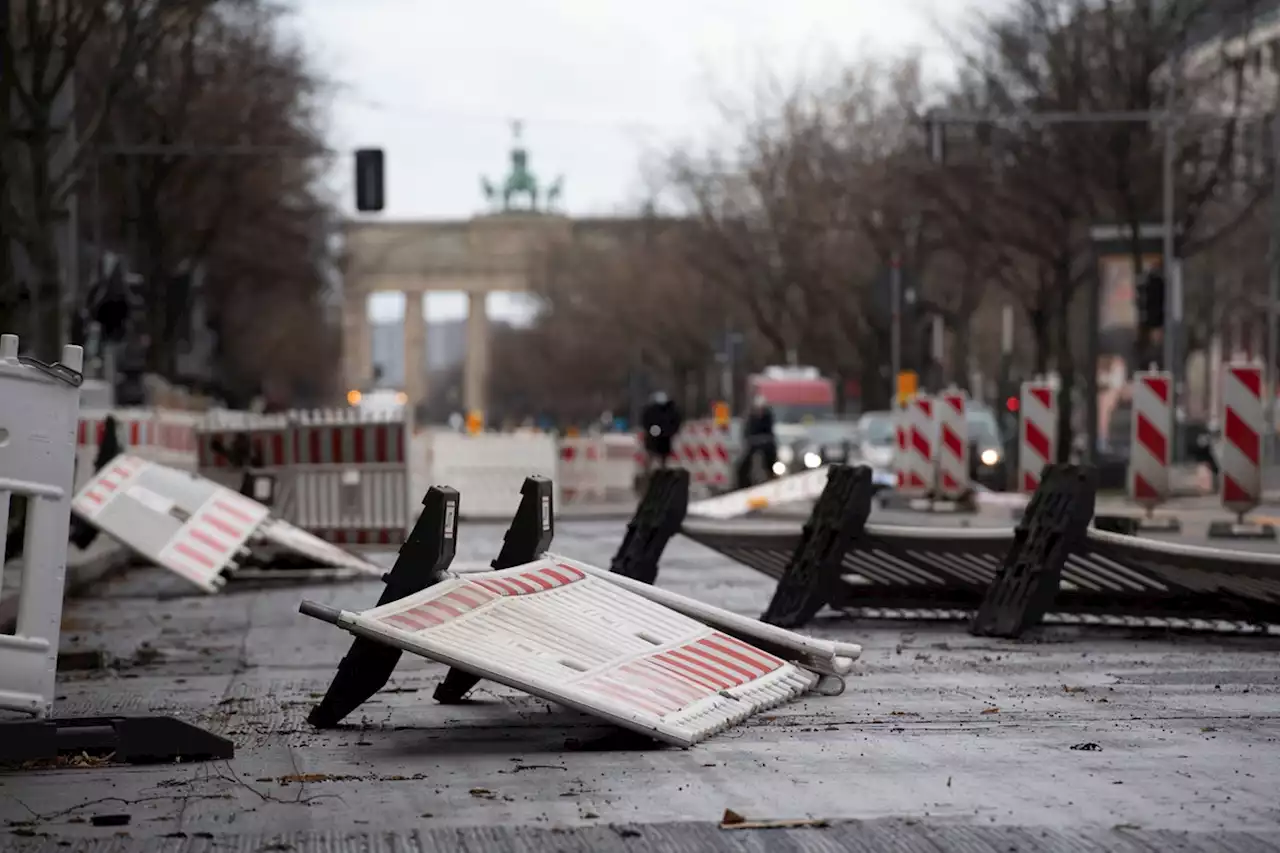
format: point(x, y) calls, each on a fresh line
point(575, 635)
point(199, 530)
point(794, 488)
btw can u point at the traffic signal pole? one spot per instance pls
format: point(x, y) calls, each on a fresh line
point(895, 324)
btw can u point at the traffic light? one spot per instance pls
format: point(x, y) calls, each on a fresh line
point(1150, 298)
point(370, 190)
point(1012, 404)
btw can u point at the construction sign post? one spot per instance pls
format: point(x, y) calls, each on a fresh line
point(908, 383)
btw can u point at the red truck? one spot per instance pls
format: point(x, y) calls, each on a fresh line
point(796, 394)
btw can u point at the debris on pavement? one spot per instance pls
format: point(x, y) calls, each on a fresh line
point(733, 820)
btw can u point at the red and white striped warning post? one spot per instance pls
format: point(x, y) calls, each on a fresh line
point(913, 463)
point(1151, 439)
point(952, 445)
point(1243, 421)
point(1037, 433)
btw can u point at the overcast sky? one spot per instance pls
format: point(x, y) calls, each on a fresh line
point(601, 85)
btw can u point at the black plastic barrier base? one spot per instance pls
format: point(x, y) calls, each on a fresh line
point(529, 537)
point(1242, 529)
point(810, 578)
point(1055, 526)
point(423, 557)
point(1125, 525)
point(658, 517)
point(132, 740)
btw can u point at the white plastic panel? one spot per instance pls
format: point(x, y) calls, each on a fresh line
point(181, 521)
point(551, 629)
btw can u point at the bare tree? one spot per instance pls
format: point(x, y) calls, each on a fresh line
point(43, 149)
point(229, 78)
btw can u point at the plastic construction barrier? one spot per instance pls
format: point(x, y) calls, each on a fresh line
point(708, 450)
point(204, 532)
point(1104, 577)
point(38, 424)
point(1243, 431)
point(1037, 432)
point(350, 475)
point(486, 468)
point(837, 519)
point(951, 450)
point(658, 517)
point(791, 489)
point(597, 469)
point(1148, 477)
point(157, 435)
point(648, 660)
point(915, 429)
point(340, 474)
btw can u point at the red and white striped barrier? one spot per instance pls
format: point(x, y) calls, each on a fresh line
point(265, 438)
point(1037, 432)
point(166, 436)
point(341, 474)
point(1151, 443)
point(196, 535)
point(1243, 418)
point(707, 450)
point(952, 445)
point(913, 463)
point(597, 468)
point(350, 475)
point(192, 526)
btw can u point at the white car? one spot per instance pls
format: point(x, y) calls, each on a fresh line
point(877, 440)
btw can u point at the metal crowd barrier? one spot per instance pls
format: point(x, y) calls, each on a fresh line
point(1057, 565)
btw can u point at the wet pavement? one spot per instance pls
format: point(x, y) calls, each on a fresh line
point(1072, 739)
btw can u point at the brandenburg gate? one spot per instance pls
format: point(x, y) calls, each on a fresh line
point(495, 252)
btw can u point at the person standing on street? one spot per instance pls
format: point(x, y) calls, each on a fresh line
point(662, 422)
point(760, 441)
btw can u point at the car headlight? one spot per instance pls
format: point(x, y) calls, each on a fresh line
point(812, 460)
point(779, 468)
point(786, 453)
point(989, 457)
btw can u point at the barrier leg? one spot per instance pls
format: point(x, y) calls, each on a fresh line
point(1055, 526)
point(529, 536)
point(1241, 528)
point(658, 517)
point(837, 519)
point(423, 557)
